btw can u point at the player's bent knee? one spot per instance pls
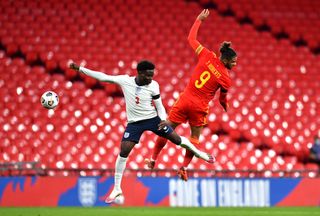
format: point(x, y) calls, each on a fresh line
point(126, 147)
point(175, 138)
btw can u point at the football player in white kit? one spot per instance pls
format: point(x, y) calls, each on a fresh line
point(139, 92)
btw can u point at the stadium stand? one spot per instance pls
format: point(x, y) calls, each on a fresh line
point(290, 18)
point(274, 110)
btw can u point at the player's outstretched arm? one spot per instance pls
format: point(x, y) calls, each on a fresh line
point(192, 37)
point(94, 74)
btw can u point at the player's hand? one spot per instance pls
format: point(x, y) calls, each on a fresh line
point(203, 15)
point(74, 66)
point(162, 125)
point(225, 105)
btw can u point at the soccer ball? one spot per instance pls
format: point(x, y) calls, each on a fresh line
point(49, 100)
point(119, 200)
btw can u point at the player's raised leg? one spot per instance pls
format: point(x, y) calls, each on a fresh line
point(170, 134)
point(160, 143)
point(162, 128)
point(185, 143)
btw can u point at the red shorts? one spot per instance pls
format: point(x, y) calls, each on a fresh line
point(189, 109)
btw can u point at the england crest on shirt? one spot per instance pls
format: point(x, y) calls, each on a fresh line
point(87, 191)
point(138, 90)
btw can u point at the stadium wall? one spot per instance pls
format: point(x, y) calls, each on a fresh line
point(160, 191)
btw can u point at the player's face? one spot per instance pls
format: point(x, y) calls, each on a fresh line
point(231, 63)
point(145, 77)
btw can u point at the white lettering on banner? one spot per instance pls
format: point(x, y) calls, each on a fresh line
point(254, 193)
point(208, 193)
point(248, 196)
point(235, 193)
point(230, 192)
point(184, 193)
point(265, 197)
point(220, 192)
point(244, 192)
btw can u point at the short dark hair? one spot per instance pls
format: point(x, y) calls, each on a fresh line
point(226, 51)
point(145, 65)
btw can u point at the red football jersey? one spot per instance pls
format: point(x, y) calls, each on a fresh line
point(209, 75)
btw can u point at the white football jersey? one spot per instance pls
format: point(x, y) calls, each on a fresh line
point(138, 99)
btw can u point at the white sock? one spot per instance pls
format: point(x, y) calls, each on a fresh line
point(119, 169)
point(185, 143)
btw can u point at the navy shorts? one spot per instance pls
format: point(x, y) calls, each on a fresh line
point(134, 130)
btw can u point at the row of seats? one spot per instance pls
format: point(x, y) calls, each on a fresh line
point(296, 18)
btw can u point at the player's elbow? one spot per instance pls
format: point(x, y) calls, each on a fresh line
point(190, 39)
point(194, 43)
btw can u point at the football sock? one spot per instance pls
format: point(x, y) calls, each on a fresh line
point(119, 169)
point(185, 143)
point(160, 143)
point(189, 154)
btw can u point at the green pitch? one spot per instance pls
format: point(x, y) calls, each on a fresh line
point(155, 211)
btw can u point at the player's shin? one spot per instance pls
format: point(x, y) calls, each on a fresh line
point(187, 158)
point(160, 143)
point(119, 169)
point(185, 143)
point(189, 155)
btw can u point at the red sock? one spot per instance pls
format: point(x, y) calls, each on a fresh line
point(160, 143)
point(189, 155)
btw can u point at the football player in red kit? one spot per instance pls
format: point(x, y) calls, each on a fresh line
point(211, 74)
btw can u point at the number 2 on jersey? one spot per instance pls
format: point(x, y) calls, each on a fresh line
point(137, 100)
point(204, 77)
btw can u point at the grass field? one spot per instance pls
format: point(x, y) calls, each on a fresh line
point(155, 211)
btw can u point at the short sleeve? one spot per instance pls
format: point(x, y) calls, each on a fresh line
point(155, 88)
